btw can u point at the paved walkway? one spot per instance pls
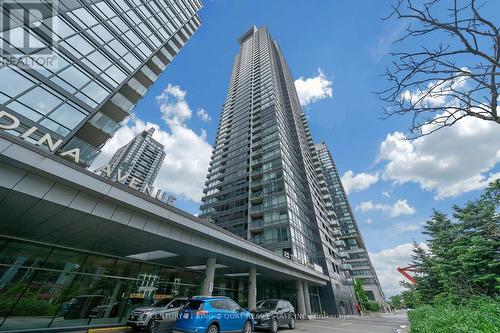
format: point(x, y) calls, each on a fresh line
point(383, 323)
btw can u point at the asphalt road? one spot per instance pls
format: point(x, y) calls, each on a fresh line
point(383, 323)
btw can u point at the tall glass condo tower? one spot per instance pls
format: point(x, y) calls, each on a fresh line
point(104, 55)
point(265, 183)
point(359, 259)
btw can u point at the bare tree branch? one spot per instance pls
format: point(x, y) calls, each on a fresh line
point(454, 80)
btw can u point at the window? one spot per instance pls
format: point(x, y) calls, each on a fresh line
point(41, 100)
point(221, 305)
point(67, 116)
point(231, 306)
point(74, 75)
point(13, 83)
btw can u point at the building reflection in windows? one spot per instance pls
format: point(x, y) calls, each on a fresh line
point(46, 286)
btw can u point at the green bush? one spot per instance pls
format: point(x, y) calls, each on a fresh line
point(372, 306)
point(474, 316)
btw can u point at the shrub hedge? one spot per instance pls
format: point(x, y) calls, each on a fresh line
point(474, 316)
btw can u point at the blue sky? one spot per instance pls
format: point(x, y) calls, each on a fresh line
point(393, 185)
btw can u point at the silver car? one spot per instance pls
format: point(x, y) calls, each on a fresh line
point(165, 309)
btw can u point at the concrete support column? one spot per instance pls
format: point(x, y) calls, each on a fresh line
point(208, 282)
point(301, 305)
point(307, 300)
point(252, 289)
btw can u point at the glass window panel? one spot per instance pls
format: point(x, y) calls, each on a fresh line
point(80, 44)
point(24, 110)
point(118, 22)
point(134, 17)
point(84, 16)
point(41, 300)
point(15, 37)
point(41, 100)
point(122, 4)
point(62, 28)
point(89, 101)
point(132, 60)
point(145, 50)
point(96, 91)
point(100, 60)
point(118, 47)
point(53, 126)
point(102, 33)
point(3, 98)
point(105, 9)
point(12, 83)
point(116, 73)
point(74, 75)
point(67, 116)
point(87, 152)
point(63, 84)
point(133, 37)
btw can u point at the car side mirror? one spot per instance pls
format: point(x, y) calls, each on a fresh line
point(279, 309)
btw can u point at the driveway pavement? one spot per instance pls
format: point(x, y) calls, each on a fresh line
point(383, 323)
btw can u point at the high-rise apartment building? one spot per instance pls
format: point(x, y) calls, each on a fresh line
point(105, 55)
point(141, 159)
point(265, 183)
point(358, 257)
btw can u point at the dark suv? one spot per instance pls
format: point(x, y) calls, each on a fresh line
point(270, 314)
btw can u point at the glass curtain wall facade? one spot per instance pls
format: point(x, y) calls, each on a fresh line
point(107, 53)
point(262, 183)
point(358, 257)
point(142, 158)
point(47, 286)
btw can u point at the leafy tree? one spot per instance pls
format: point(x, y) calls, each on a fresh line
point(410, 296)
point(360, 293)
point(463, 259)
point(396, 301)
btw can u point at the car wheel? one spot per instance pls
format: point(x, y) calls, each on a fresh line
point(274, 325)
point(248, 327)
point(291, 324)
point(213, 329)
point(149, 328)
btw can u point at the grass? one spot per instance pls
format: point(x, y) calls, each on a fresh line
point(474, 316)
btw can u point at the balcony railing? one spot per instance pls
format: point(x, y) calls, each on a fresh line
point(87, 151)
point(345, 267)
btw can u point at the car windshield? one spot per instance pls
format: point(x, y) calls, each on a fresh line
point(161, 303)
point(268, 305)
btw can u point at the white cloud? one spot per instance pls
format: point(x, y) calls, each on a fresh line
point(187, 153)
point(203, 115)
point(369, 220)
point(314, 88)
point(449, 162)
point(173, 106)
point(386, 194)
point(386, 262)
point(359, 182)
point(366, 206)
point(403, 227)
point(400, 207)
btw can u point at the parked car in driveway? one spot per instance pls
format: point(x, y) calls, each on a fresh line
point(270, 314)
point(213, 315)
point(166, 309)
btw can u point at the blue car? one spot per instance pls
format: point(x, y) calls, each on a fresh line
point(204, 314)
